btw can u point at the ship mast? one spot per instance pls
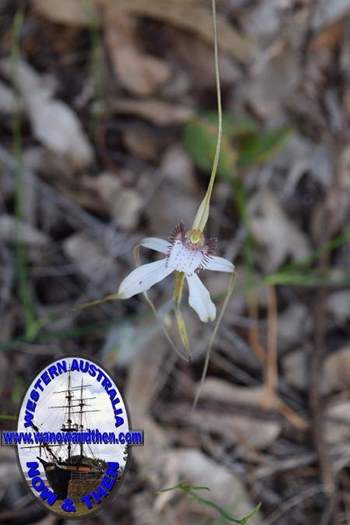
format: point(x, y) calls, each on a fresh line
point(81, 405)
point(68, 427)
point(69, 424)
point(74, 407)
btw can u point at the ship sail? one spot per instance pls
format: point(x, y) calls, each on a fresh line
point(71, 474)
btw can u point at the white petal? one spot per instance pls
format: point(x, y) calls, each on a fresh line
point(219, 264)
point(142, 278)
point(153, 243)
point(199, 299)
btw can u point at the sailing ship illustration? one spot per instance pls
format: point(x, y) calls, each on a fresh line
point(74, 467)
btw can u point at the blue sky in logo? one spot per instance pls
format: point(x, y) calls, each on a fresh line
point(51, 419)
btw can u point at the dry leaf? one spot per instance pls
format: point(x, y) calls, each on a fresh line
point(12, 229)
point(159, 113)
point(327, 12)
point(145, 376)
point(338, 422)
point(124, 204)
point(335, 374)
point(266, 93)
point(163, 209)
point(337, 371)
point(178, 167)
point(273, 229)
point(196, 19)
point(54, 123)
point(92, 261)
point(225, 489)
point(293, 326)
point(239, 429)
point(329, 37)
point(264, 19)
point(57, 127)
point(295, 369)
point(80, 13)
point(218, 390)
point(245, 431)
point(144, 512)
point(9, 102)
point(137, 72)
point(127, 208)
point(195, 71)
point(142, 142)
point(187, 15)
point(339, 305)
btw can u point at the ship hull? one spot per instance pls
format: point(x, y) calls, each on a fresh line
point(59, 476)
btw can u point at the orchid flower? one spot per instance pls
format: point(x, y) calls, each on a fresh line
point(187, 253)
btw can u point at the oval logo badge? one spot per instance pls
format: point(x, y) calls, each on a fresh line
point(73, 437)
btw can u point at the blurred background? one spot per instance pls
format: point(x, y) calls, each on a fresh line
point(107, 134)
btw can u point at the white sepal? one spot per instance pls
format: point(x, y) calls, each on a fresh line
point(199, 299)
point(154, 243)
point(219, 264)
point(142, 278)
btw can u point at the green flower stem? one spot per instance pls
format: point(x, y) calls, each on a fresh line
point(202, 215)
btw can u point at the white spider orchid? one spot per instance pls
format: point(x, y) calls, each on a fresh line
point(187, 253)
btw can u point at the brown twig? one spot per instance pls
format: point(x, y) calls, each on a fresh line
point(330, 219)
point(269, 359)
point(253, 334)
point(316, 365)
point(271, 373)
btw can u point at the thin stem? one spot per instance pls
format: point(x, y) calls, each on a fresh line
point(180, 321)
point(164, 329)
point(213, 336)
point(32, 324)
point(203, 210)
